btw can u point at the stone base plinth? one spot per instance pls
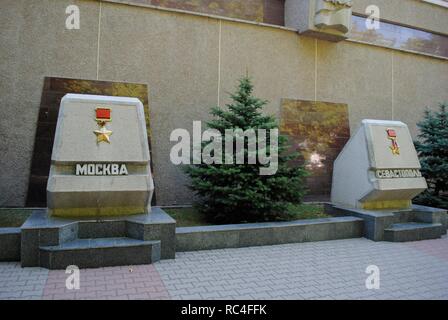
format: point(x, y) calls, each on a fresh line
point(56, 243)
point(414, 224)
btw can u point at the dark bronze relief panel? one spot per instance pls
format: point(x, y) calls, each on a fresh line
point(319, 130)
point(268, 11)
point(252, 10)
point(399, 37)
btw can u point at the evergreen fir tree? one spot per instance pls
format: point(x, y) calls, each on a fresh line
point(432, 148)
point(233, 193)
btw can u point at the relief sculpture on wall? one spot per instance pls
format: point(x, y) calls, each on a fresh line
point(323, 19)
point(334, 15)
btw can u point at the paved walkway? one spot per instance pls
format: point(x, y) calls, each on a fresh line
point(319, 270)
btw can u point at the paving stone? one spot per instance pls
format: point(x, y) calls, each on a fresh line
point(326, 270)
point(323, 270)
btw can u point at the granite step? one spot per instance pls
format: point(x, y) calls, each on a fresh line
point(413, 231)
point(405, 216)
point(100, 252)
point(102, 229)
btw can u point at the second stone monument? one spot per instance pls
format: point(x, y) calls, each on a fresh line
point(375, 178)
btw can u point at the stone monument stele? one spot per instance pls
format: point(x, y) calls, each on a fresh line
point(378, 168)
point(100, 165)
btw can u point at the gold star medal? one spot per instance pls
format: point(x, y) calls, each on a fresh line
point(103, 115)
point(103, 135)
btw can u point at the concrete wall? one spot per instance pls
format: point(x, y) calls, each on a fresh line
point(190, 63)
point(414, 13)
